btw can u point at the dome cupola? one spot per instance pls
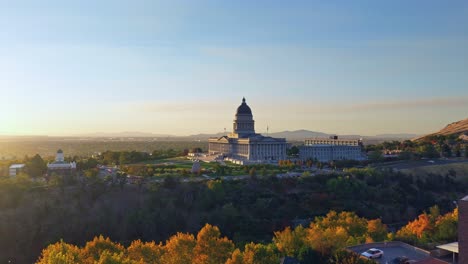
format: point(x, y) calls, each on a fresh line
point(243, 123)
point(243, 109)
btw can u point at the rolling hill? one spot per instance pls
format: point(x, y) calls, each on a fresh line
point(459, 127)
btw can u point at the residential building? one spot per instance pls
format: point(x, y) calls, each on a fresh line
point(15, 169)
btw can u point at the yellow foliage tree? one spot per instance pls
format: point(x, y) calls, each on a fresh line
point(60, 253)
point(210, 247)
point(327, 240)
point(236, 257)
point(290, 242)
point(376, 230)
point(259, 254)
point(107, 257)
point(148, 252)
point(179, 249)
point(93, 249)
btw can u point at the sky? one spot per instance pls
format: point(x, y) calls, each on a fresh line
point(182, 67)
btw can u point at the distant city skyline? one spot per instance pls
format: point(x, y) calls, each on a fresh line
point(181, 67)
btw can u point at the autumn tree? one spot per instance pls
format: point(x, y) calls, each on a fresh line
point(107, 257)
point(259, 254)
point(92, 250)
point(446, 227)
point(290, 242)
point(147, 252)
point(346, 257)
point(210, 247)
point(60, 253)
point(236, 258)
point(179, 249)
point(376, 230)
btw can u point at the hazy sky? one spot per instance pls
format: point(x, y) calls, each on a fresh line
point(182, 67)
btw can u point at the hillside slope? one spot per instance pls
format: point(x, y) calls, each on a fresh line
point(458, 127)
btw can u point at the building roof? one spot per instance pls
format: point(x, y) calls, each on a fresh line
point(17, 166)
point(255, 138)
point(244, 109)
point(452, 247)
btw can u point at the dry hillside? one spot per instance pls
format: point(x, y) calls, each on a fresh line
point(458, 127)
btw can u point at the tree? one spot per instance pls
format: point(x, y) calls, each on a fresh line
point(60, 253)
point(179, 249)
point(290, 242)
point(446, 227)
point(376, 230)
point(293, 151)
point(114, 258)
point(236, 257)
point(121, 179)
point(253, 172)
point(346, 257)
point(93, 249)
point(36, 166)
point(259, 254)
point(375, 156)
point(428, 151)
point(92, 175)
point(210, 247)
point(148, 252)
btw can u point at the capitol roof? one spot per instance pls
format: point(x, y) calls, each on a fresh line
point(244, 109)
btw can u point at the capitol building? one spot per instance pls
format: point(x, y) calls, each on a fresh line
point(243, 145)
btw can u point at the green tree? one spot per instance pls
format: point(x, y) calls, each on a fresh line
point(428, 151)
point(253, 172)
point(36, 166)
point(291, 242)
point(259, 254)
point(376, 156)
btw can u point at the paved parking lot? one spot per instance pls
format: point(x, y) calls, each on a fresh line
point(391, 251)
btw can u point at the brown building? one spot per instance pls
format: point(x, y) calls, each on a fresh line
point(463, 231)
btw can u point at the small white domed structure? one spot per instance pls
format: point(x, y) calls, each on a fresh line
point(59, 166)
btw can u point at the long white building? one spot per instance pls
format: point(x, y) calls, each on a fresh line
point(328, 149)
point(243, 145)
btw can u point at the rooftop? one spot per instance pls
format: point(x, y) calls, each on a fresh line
point(17, 166)
point(452, 247)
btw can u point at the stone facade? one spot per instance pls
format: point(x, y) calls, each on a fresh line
point(246, 146)
point(328, 149)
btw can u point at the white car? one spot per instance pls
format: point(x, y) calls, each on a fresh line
point(373, 253)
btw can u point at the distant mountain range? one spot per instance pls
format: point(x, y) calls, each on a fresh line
point(299, 135)
point(125, 134)
point(459, 127)
point(296, 135)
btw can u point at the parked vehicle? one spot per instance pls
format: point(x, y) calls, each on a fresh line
point(373, 253)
